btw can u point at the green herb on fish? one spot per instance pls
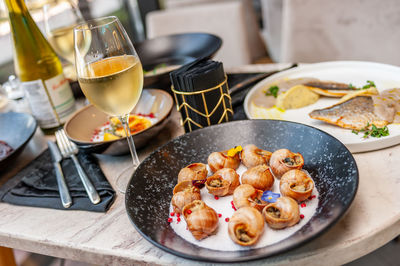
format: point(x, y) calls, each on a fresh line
point(374, 131)
point(368, 85)
point(273, 90)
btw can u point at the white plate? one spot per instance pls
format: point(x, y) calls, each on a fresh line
point(354, 72)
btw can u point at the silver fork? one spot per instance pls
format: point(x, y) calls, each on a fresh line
point(69, 149)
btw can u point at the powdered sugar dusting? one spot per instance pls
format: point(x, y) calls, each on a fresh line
point(222, 205)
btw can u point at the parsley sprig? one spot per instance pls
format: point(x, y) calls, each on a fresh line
point(273, 90)
point(372, 131)
point(369, 84)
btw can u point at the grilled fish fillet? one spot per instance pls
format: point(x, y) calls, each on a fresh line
point(354, 113)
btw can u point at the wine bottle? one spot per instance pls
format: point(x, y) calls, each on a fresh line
point(39, 69)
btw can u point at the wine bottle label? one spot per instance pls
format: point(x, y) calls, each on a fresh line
point(54, 111)
point(61, 96)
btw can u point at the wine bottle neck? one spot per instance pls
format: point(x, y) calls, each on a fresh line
point(16, 6)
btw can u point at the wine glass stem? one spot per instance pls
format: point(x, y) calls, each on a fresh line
point(125, 123)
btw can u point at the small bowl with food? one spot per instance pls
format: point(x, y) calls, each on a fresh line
point(96, 132)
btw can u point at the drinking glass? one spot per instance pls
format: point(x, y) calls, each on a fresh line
point(60, 18)
point(110, 74)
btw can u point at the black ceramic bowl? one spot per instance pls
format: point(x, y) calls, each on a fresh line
point(16, 129)
point(174, 50)
point(329, 162)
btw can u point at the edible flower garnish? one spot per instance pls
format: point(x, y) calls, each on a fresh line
point(273, 90)
point(199, 183)
point(232, 152)
point(270, 196)
point(372, 131)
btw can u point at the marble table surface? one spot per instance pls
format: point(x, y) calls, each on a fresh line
point(110, 239)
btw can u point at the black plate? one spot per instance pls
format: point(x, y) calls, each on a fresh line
point(16, 129)
point(329, 162)
point(177, 49)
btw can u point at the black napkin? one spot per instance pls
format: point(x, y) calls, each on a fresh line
point(36, 185)
point(195, 77)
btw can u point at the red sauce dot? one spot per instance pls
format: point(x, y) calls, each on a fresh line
point(178, 215)
point(303, 205)
point(189, 212)
point(233, 207)
point(226, 219)
point(170, 220)
point(232, 202)
point(216, 197)
point(219, 215)
point(179, 219)
point(172, 213)
point(301, 216)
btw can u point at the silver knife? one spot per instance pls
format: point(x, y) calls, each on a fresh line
point(62, 186)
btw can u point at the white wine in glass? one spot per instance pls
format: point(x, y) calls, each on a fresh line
point(114, 84)
point(60, 19)
point(110, 73)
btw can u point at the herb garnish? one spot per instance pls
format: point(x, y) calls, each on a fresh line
point(369, 84)
point(273, 90)
point(373, 131)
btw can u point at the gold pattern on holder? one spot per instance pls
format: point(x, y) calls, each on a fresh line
point(207, 114)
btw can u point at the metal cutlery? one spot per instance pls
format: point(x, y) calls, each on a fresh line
point(62, 186)
point(68, 150)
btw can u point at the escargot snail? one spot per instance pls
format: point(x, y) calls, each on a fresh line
point(184, 193)
point(201, 220)
point(259, 177)
point(282, 213)
point(284, 160)
point(219, 160)
point(194, 171)
point(252, 156)
point(247, 196)
point(246, 226)
point(297, 185)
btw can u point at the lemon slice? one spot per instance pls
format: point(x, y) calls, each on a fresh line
point(296, 97)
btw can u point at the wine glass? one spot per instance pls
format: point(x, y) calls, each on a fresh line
point(60, 19)
point(110, 74)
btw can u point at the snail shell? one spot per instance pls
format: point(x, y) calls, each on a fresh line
point(247, 196)
point(184, 193)
point(297, 185)
point(201, 220)
point(259, 177)
point(284, 160)
point(194, 171)
point(282, 213)
point(252, 156)
point(217, 186)
point(219, 160)
point(230, 175)
point(246, 226)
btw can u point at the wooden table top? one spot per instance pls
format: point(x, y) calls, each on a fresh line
point(110, 239)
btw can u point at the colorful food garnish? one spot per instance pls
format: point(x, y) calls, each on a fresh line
point(113, 129)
